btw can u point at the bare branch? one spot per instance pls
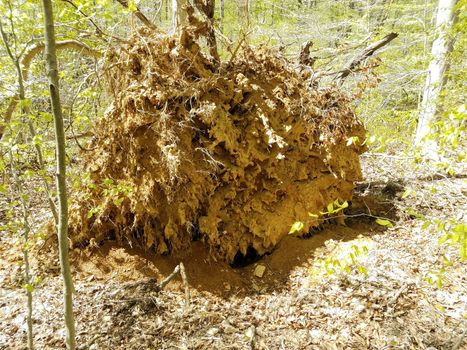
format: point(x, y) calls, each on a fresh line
point(357, 60)
point(139, 14)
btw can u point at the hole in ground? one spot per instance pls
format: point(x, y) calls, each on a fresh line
point(242, 260)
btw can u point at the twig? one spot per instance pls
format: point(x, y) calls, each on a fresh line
point(179, 269)
point(234, 53)
point(185, 284)
point(170, 277)
point(383, 155)
point(251, 343)
point(91, 341)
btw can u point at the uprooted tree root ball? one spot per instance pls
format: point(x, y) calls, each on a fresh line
point(232, 154)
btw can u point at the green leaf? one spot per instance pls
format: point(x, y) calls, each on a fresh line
point(463, 251)
point(444, 239)
point(24, 103)
point(406, 193)
point(29, 287)
point(108, 182)
point(28, 173)
point(37, 140)
point(446, 261)
point(3, 188)
point(384, 222)
point(132, 6)
point(425, 225)
point(118, 201)
point(362, 270)
point(92, 212)
point(440, 226)
point(296, 227)
point(356, 250)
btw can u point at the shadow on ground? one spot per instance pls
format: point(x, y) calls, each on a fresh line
point(125, 263)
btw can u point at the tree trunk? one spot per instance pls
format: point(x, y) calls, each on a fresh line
point(435, 76)
point(221, 15)
point(179, 17)
point(62, 230)
point(207, 7)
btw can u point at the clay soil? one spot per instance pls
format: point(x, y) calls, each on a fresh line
point(117, 305)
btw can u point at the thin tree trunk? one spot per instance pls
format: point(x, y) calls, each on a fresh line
point(62, 230)
point(166, 10)
point(27, 228)
point(221, 15)
point(435, 77)
point(179, 16)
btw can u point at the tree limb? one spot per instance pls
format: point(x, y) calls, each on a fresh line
point(367, 52)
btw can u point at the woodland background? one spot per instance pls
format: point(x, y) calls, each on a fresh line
point(387, 95)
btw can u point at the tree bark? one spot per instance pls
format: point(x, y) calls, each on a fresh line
point(179, 16)
point(435, 76)
point(62, 230)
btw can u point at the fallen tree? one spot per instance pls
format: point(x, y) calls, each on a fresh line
point(232, 153)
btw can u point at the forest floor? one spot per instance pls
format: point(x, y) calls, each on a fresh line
point(389, 304)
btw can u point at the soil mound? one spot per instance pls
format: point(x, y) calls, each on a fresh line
point(231, 153)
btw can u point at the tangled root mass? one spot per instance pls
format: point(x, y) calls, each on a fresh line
point(232, 154)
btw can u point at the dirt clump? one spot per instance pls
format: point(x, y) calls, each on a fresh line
point(231, 153)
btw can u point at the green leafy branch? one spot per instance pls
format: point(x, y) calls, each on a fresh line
point(333, 209)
